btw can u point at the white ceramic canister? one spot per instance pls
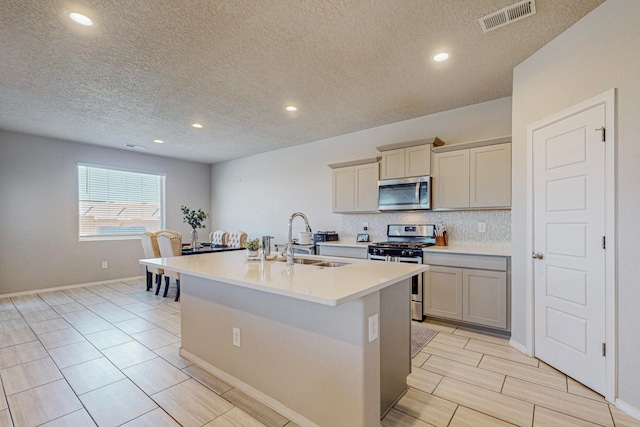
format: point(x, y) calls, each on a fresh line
point(304, 238)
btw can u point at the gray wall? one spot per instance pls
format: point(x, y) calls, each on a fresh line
point(598, 53)
point(39, 245)
point(257, 194)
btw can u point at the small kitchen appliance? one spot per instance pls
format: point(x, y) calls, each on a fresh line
point(405, 243)
point(325, 236)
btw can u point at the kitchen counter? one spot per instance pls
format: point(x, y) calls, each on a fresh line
point(348, 243)
point(469, 250)
point(457, 249)
point(323, 285)
point(323, 346)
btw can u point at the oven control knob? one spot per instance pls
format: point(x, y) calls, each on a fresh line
point(404, 253)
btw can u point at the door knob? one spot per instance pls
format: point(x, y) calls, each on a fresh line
point(537, 255)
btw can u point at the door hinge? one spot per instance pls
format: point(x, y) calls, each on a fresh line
point(603, 131)
point(604, 349)
point(604, 242)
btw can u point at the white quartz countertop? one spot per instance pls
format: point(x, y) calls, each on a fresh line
point(457, 249)
point(324, 285)
point(469, 250)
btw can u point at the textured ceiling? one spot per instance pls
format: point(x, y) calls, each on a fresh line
point(150, 68)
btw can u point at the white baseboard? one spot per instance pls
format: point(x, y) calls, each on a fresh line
point(246, 388)
point(59, 288)
point(520, 347)
point(627, 408)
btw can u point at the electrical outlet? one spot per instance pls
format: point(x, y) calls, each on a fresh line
point(236, 337)
point(373, 327)
point(105, 265)
point(365, 226)
point(482, 227)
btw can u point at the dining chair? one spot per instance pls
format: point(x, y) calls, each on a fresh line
point(151, 250)
point(175, 233)
point(237, 239)
point(219, 237)
point(170, 245)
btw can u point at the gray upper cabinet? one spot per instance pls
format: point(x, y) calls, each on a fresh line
point(490, 176)
point(406, 162)
point(407, 159)
point(450, 181)
point(477, 177)
point(355, 187)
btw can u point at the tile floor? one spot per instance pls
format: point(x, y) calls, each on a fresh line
point(463, 378)
point(107, 355)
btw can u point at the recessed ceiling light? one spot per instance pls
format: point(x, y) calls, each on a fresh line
point(291, 108)
point(81, 19)
point(197, 125)
point(158, 141)
point(442, 56)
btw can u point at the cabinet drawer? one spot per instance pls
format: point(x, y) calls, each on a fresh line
point(341, 251)
point(484, 262)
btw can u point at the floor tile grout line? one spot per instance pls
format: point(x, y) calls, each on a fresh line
point(128, 378)
point(59, 369)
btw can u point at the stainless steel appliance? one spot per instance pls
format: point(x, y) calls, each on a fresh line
point(404, 194)
point(404, 244)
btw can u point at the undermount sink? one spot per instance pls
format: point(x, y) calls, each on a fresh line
point(331, 264)
point(315, 262)
point(302, 261)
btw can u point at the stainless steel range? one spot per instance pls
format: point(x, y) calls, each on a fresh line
point(404, 244)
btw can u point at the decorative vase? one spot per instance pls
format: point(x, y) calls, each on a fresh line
point(194, 238)
point(252, 254)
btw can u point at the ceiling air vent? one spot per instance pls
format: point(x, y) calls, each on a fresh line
point(509, 14)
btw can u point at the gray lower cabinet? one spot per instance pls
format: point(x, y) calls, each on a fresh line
point(342, 251)
point(443, 292)
point(484, 297)
point(475, 295)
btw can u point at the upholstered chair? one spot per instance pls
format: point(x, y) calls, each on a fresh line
point(237, 239)
point(219, 237)
point(170, 245)
point(176, 233)
point(151, 250)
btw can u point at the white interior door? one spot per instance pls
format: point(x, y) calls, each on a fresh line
point(569, 227)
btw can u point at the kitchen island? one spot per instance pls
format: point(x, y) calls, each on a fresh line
point(324, 346)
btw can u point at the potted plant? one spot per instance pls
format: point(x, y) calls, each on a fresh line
point(195, 219)
point(252, 247)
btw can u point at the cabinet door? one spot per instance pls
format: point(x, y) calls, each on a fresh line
point(392, 164)
point(344, 189)
point(443, 292)
point(485, 297)
point(490, 176)
point(450, 182)
point(417, 160)
point(366, 187)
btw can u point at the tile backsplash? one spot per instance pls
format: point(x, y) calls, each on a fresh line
point(462, 226)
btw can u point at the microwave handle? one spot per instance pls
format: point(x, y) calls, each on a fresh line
point(417, 198)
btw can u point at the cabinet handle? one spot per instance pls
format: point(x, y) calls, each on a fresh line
point(537, 255)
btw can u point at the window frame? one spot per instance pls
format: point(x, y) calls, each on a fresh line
point(115, 237)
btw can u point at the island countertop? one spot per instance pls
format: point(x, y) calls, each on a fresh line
point(323, 285)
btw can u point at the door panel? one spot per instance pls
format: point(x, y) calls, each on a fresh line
point(569, 222)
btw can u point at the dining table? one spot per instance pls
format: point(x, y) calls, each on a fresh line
point(206, 248)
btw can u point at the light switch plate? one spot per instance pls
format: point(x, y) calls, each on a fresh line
point(482, 227)
point(373, 327)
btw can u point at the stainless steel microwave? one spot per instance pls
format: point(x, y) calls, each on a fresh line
point(404, 194)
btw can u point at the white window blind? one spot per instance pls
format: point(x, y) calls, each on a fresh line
point(117, 204)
